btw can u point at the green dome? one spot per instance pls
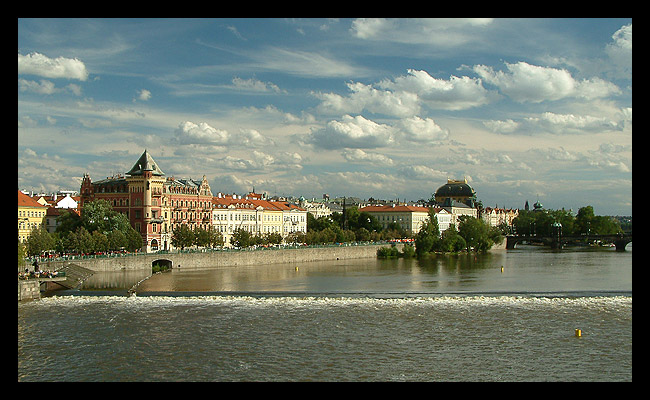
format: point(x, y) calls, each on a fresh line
point(455, 189)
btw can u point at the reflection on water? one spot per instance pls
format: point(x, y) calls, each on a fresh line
point(512, 271)
point(124, 279)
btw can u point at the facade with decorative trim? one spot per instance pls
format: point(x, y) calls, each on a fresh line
point(155, 205)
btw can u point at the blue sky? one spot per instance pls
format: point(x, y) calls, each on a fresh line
point(385, 108)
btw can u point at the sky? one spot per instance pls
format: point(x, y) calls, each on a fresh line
point(524, 109)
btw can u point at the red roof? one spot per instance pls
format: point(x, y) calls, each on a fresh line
point(26, 201)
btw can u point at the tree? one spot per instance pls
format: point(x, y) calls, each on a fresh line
point(215, 238)
point(182, 236)
point(79, 241)
point(22, 253)
point(133, 240)
point(475, 232)
point(426, 240)
point(116, 240)
point(99, 242)
point(67, 221)
point(272, 238)
point(201, 237)
point(451, 241)
point(99, 216)
point(39, 241)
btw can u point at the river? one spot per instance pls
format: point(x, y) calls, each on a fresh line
point(508, 315)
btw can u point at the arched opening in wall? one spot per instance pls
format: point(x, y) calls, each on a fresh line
point(161, 265)
point(154, 245)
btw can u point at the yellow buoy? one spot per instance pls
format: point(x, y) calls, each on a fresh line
point(578, 333)
point(501, 269)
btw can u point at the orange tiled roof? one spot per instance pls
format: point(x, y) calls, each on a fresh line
point(26, 201)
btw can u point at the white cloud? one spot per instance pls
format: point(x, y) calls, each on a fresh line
point(352, 132)
point(422, 172)
point(507, 126)
point(304, 63)
point(44, 87)
point(255, 85)
point(404, 96)
point(360, 156)
point(457, 93)
point(549, 122)
point(250, 137)
point(621, 48)
point(569, 123)
point(366, 28)
point(261, 162)
point(524, 82)
point(365, 97)
point(442, 32)
point(144, 95)
point(60, 67)
point(190, 133)
point(416, 129)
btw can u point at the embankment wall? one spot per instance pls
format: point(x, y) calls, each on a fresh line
point(224, 258)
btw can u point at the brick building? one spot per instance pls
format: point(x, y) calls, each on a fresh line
point(153, 203)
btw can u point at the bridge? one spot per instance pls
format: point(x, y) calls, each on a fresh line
point(558, 241)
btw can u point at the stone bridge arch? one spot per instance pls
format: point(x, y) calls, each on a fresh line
point(164, 263)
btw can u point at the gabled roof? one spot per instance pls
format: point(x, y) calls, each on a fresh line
point(145, 163)
point(26, 201)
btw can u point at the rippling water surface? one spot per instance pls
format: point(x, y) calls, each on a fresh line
point(451, 319)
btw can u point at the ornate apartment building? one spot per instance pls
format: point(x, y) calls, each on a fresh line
point(153, 203)
point(256, 215)
point(156, 204)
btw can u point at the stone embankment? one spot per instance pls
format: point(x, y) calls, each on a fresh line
point(231, 258)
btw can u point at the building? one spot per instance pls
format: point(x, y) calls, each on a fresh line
point(62, 199)
point(458, 209)
point(497, 216)
point(232, 212)
point(458, 199)
point(256, 215)
point(317, 209)
point(31, 214)
point(153, 203)
point(453, 190)
point(409, 218)
point(444, 218)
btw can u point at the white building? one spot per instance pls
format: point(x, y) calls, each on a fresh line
point(256, 216)
point(315, 208)
point(444, 218)
point(457, 209)
point(497, 216)
point(409, 218)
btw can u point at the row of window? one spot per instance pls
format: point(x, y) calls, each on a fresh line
point(33, 214)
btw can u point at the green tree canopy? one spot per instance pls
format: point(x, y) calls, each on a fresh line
point(39, 241)
point(182, 236)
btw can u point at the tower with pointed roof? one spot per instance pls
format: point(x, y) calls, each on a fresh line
point(146, 181)
point(154, 203)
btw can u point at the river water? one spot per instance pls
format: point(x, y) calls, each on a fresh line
point(509, 315)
